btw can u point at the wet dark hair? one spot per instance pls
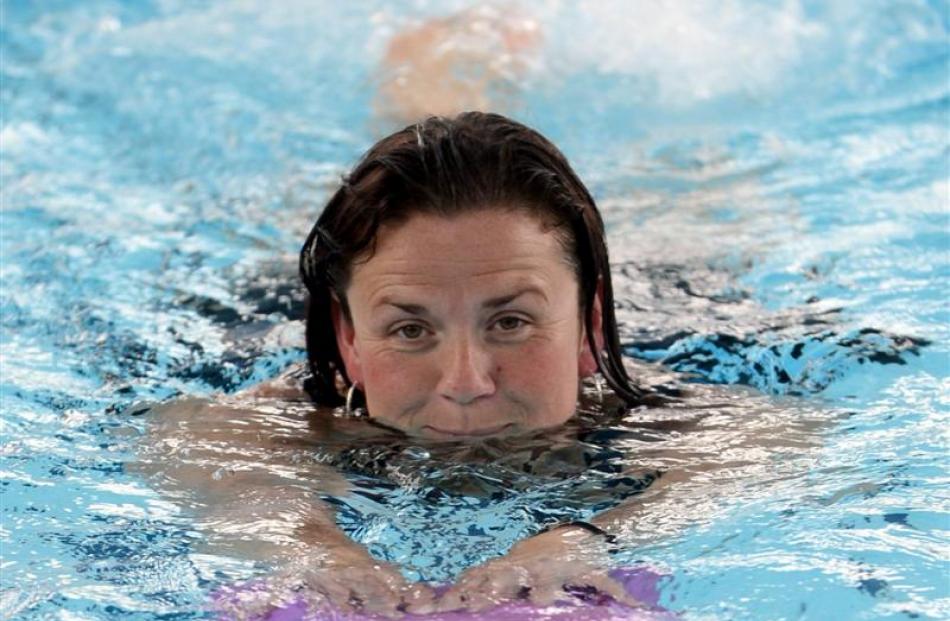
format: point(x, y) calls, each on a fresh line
point(447, 166)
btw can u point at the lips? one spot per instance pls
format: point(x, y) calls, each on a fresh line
point(473, 433)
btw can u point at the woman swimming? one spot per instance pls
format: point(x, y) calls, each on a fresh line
point(459, 294)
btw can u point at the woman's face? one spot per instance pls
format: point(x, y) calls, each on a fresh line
point(466, 327)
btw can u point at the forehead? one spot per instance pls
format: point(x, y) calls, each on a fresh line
point(475, 246)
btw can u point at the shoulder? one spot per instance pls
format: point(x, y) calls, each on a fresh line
point(287, 386)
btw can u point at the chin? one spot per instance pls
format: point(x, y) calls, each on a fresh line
point(445, 432)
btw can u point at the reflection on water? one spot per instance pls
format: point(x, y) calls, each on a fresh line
point(773, 178)
point(715, 448)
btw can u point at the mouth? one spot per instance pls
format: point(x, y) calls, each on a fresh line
point(476, 433)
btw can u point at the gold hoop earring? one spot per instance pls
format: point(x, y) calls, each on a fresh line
point(349, 398)
point(350, 410)
point(599, 383)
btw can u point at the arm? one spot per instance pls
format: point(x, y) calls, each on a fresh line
point(710, 457)
point(721, 454)
point(246, 470)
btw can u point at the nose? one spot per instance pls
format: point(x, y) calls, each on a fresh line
point(466, 371)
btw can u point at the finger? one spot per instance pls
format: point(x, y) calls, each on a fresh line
point(472, 592)
point(362, 602)
point(352, 591)
point(418, 598)
point(547, 595)
point(482, 588)
point(456, 598)
point(573, 594)
point(594, 586)
point(477, 601)
point(382, 595)
point(389, 593)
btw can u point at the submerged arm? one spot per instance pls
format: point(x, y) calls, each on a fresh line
point(736, 443)
point(247, 471)
point(706, 459)
point(234, 468)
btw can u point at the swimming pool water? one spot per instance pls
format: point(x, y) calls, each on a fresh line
point(774, 178)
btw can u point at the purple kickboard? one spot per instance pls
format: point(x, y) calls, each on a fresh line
point(639, 582)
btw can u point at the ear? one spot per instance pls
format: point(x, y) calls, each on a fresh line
point(346, 341)
point(587, 360)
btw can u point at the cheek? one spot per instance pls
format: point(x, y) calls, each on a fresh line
point(545, 376)
point(393, 380)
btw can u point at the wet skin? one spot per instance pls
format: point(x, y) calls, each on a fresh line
point(466, 327)
point(461, 329)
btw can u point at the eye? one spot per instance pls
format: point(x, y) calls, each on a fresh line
point(410, 332)
point(510, 323)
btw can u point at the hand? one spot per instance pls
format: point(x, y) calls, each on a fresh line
point(335, 580)
point(558, 565)
point(362, 588)
point(346, 577)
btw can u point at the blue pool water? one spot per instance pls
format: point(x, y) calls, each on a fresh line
point(774, 178)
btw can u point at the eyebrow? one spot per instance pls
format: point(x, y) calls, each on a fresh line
point(411, 309)
point(496, 302)
point(505, 299)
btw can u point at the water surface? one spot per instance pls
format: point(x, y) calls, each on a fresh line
point(774, 176)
